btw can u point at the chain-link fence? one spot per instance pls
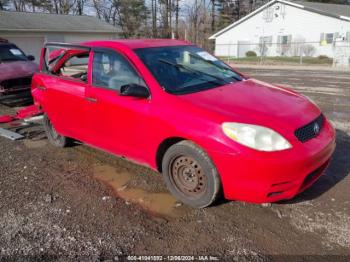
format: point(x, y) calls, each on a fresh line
point(324, 53)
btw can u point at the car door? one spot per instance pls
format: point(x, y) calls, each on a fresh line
point(64, 86)
point(118, 124)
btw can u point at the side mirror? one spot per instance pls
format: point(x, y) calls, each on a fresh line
point(134, 90)
point(31, 57)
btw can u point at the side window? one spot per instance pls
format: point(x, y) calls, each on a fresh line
point(71, 62)
point(75, 66)
point(112, 70)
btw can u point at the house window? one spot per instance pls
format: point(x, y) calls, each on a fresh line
point(326, 38)
point(329, 38)
point(284, 44)
point(347, 37)
point(285, 39)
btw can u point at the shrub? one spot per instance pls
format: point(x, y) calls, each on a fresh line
point(250, 54)
point(323, 57)
point(308, 50)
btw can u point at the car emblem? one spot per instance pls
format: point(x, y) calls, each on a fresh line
point(316, 128)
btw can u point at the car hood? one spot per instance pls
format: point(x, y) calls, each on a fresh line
point(256, 102)
point(17, 69)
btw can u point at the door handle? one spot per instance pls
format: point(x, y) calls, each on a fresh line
point(91, 99)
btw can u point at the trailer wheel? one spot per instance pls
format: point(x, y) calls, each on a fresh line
point(55, 138)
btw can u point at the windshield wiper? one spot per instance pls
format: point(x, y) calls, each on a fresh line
point(212, 63)
point(195, 71)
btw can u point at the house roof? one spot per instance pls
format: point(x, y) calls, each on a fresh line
point(44, 22)
point(337, 11)
point(334, 9)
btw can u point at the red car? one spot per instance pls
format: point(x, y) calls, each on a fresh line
point(16, 69)
point(172, 106)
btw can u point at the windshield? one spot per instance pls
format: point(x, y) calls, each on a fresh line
point(186, 69)
point(9, 53)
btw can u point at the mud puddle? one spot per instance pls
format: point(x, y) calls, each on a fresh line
point(162, 204)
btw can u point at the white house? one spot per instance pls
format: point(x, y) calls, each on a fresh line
point(29, 31)
point(286, 28)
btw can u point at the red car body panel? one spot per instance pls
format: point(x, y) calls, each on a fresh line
point(135, 128)
point(23, 113)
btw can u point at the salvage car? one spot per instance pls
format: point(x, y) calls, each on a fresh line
point(176, 108)
point(16, 69)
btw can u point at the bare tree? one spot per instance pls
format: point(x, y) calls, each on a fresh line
point(3, 4)
point(79, 7)
point(154, 17)
point(19, 5)
point(308, 49)
point(194, 20)
point(177, 11)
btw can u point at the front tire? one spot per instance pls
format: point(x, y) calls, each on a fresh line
point(55, 138)
point(190, 175)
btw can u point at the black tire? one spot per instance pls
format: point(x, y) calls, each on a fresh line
point(52, 135)
point(190, 175)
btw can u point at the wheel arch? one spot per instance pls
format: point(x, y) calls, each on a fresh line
point(163, 147)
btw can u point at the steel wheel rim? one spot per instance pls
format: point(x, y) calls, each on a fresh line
point(188, 176)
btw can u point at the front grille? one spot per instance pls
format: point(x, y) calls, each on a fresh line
point(310, 130)
point(16, 84)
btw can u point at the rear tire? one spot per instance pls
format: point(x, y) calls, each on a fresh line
point(55, 138)
point(190, 175)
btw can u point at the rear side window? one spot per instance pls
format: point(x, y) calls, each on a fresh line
point(111, 70)
point(67, 61)
point(75, 66)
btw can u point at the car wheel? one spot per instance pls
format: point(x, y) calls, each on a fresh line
point(55, 138)
point(190, 175)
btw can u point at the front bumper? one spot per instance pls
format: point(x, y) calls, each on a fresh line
point(16, 85)
point(261, 177)
point(13, 91)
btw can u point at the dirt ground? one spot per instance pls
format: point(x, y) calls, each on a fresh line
point(80, 204)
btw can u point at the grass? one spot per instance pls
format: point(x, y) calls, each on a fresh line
point(284, 60)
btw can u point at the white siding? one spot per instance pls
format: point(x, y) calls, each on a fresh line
point(281, 20)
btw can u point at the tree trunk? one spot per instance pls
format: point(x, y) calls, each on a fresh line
point(213, 15)
point(170, 18)
point(177, 19)
point(154, 18)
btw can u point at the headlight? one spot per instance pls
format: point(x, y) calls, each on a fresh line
point(256, 137)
